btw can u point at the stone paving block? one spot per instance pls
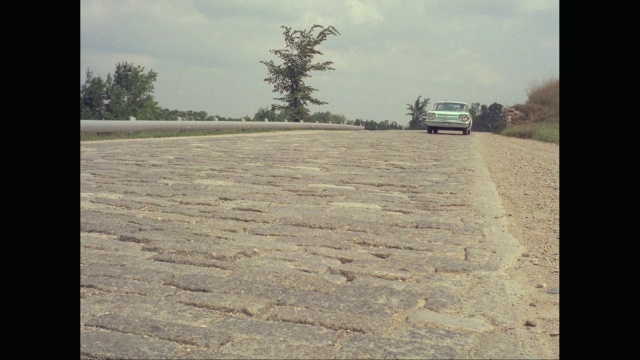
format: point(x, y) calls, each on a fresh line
point(410, 240)
point(377, 347)
point(307, 237)
point(184, 334)
point(223, 266)
point(354, 270)
point(457, 339)
point(89, 308)
point(114, 345)
point(335, 320)
point(126, 286)
point(107, 243)
point(442, 300)
point(142, 272)
point(276, 331)
point(205, 282)
point(385, 295)
point(304, 260)
point(153, 308)
point(120, 203)
point(109, 223)
point(339, 255)
point(203, 247)
point(339, 303)
point(114, 258)
point(418, 264)
point(379, 282)
point(477, 255)
point(455, 321)
point(232, 303)
point(277, 349)
point(288, 278)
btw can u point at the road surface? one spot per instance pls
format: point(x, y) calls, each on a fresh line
point(310, 244)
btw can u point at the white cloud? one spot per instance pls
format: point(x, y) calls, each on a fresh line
point(363, 13)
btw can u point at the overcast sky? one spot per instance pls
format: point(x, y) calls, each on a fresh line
point(207, 53)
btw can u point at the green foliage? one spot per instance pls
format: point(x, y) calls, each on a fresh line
point(328, 118)
point(189, 115)
point(541, 114)
point(288, 78)
point(474, 111)
point(130, 93)
point(321, 117)
point(92, 98)
point(386, 125)
point(543, 102)
point(546, 96)
point(265, 113)
point(372, 125)
point(541, 131)
point(488, 118)
point(417, 111)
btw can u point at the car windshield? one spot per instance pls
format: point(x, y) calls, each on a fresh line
point(451, 107)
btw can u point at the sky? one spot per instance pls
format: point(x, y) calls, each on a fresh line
point(207, 53)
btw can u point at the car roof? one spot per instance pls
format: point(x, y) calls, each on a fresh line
point(450, 102)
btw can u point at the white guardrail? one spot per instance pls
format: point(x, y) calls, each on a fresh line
point(147, 125)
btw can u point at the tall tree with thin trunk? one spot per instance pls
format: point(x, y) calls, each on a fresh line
point(288, 78)
point(417, 111)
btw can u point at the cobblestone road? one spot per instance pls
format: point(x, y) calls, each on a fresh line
point(310, 244)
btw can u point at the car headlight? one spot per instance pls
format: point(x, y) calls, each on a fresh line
point(464, 118)
point(431, 116)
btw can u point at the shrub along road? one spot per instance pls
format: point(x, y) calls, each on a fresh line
point(313, 244)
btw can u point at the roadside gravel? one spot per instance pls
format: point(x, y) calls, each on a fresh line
point(527, 177)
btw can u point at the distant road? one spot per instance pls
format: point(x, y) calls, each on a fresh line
point(142, 125)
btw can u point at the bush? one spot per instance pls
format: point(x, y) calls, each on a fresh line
point(541, 131)
point(541, 114)
point(543, 103)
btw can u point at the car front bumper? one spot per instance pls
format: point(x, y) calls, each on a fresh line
point(455, 125)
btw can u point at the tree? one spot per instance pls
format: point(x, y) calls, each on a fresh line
point(130, 93)
point(92, 98)
point(474, 110)
point(489, 118)
point(289, 77)
point(417, 111)
point(321, 117)
point(497, 119)
point(265, 113)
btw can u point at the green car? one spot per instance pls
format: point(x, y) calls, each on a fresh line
point(449, 115)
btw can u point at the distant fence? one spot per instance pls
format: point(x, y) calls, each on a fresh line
point(150, 125)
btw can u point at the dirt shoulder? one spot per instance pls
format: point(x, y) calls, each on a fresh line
point(527, 177)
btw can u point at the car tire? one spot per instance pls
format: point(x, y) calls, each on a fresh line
point(435, 131)
point(465, 132)
point(429, 130)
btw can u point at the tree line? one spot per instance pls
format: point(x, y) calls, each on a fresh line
point(129, 92)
